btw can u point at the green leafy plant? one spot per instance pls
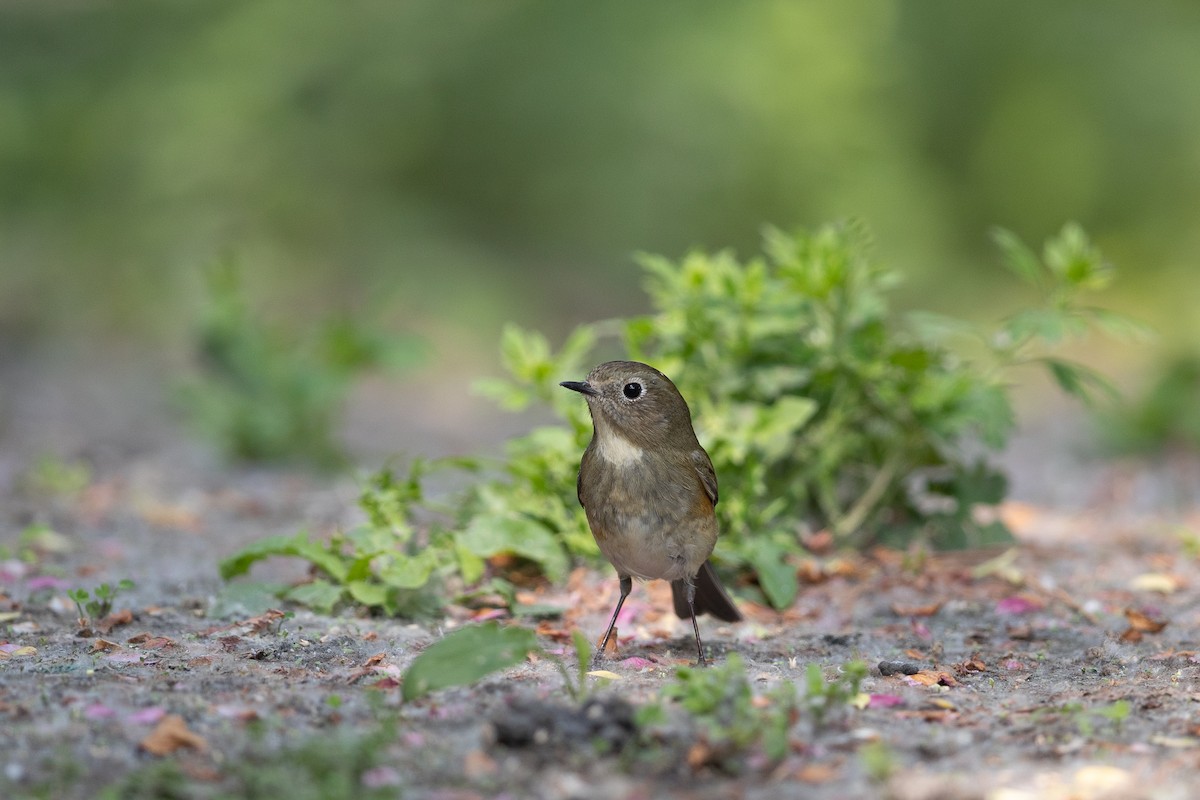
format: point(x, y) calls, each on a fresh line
point(99, 602)
point(729, 716)
point(263, 395)
point(819, 407)
point(400, 560)
point(825, 697)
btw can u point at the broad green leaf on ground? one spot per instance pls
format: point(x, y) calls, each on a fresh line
point(467, 655)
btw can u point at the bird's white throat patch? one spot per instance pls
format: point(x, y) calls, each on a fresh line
point(616, 449)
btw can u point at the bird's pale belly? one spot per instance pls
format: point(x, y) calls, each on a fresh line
point(650, 547)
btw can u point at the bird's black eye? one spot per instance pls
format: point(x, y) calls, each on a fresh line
point(633, 390)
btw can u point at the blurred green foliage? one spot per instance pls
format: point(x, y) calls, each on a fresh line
point(470, 160)
point(1166, 416)
point(263, 393)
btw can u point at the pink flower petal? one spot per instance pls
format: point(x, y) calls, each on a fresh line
point(628, 612)
point(637, 662)
point(147, 716)
point(99, 711)
point(884, 701)
point(46, 582)
point(1017, 605)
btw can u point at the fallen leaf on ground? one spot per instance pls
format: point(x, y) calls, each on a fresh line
point(8, 650)
point(973, 664)
point(1139, 625)
point(170, 735)
point(816, 773)
point(149, 642)
point(929, 677)
point(1155, 582)
point(115, 619)
point(104, 646)
point(927, 610)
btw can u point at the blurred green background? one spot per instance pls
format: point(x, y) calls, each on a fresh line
point(451, 165)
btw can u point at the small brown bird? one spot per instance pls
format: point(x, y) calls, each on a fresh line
point(649, 490)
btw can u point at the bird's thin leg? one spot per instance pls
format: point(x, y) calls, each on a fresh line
point(691, 598)
point(626, 588)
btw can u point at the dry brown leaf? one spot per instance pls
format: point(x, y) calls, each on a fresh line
point(104, 646)
point(816, 773)
point(927, 610)
point(972, 664)
point(930, 677)
point(262, 622)
point(610, 647)
point(115, 619)
point(1141, 622)
point(551, 629)
point(172, 734)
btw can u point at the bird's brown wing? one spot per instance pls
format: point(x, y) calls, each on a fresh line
point(706, 473)
point(587, 456)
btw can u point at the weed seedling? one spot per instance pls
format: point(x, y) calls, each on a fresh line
point(99, 602)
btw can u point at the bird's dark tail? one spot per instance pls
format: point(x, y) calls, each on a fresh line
point(711, 597)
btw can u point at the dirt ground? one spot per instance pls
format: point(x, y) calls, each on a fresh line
point(1067, 667)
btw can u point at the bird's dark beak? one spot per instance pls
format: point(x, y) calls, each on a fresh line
point(583, 387)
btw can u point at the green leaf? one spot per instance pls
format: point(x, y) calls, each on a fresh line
point(319, 595)
point(1022, 261)
point(368, 593)
point(1049, 325)
point(776, 576)
point(298, 545)
point(470, 566)
point(1118, 325)
point(467, 655)
point(489, 534)
point(410, 571)
point(1080, 381)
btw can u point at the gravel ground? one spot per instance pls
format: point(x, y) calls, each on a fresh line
point(1036, 687)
